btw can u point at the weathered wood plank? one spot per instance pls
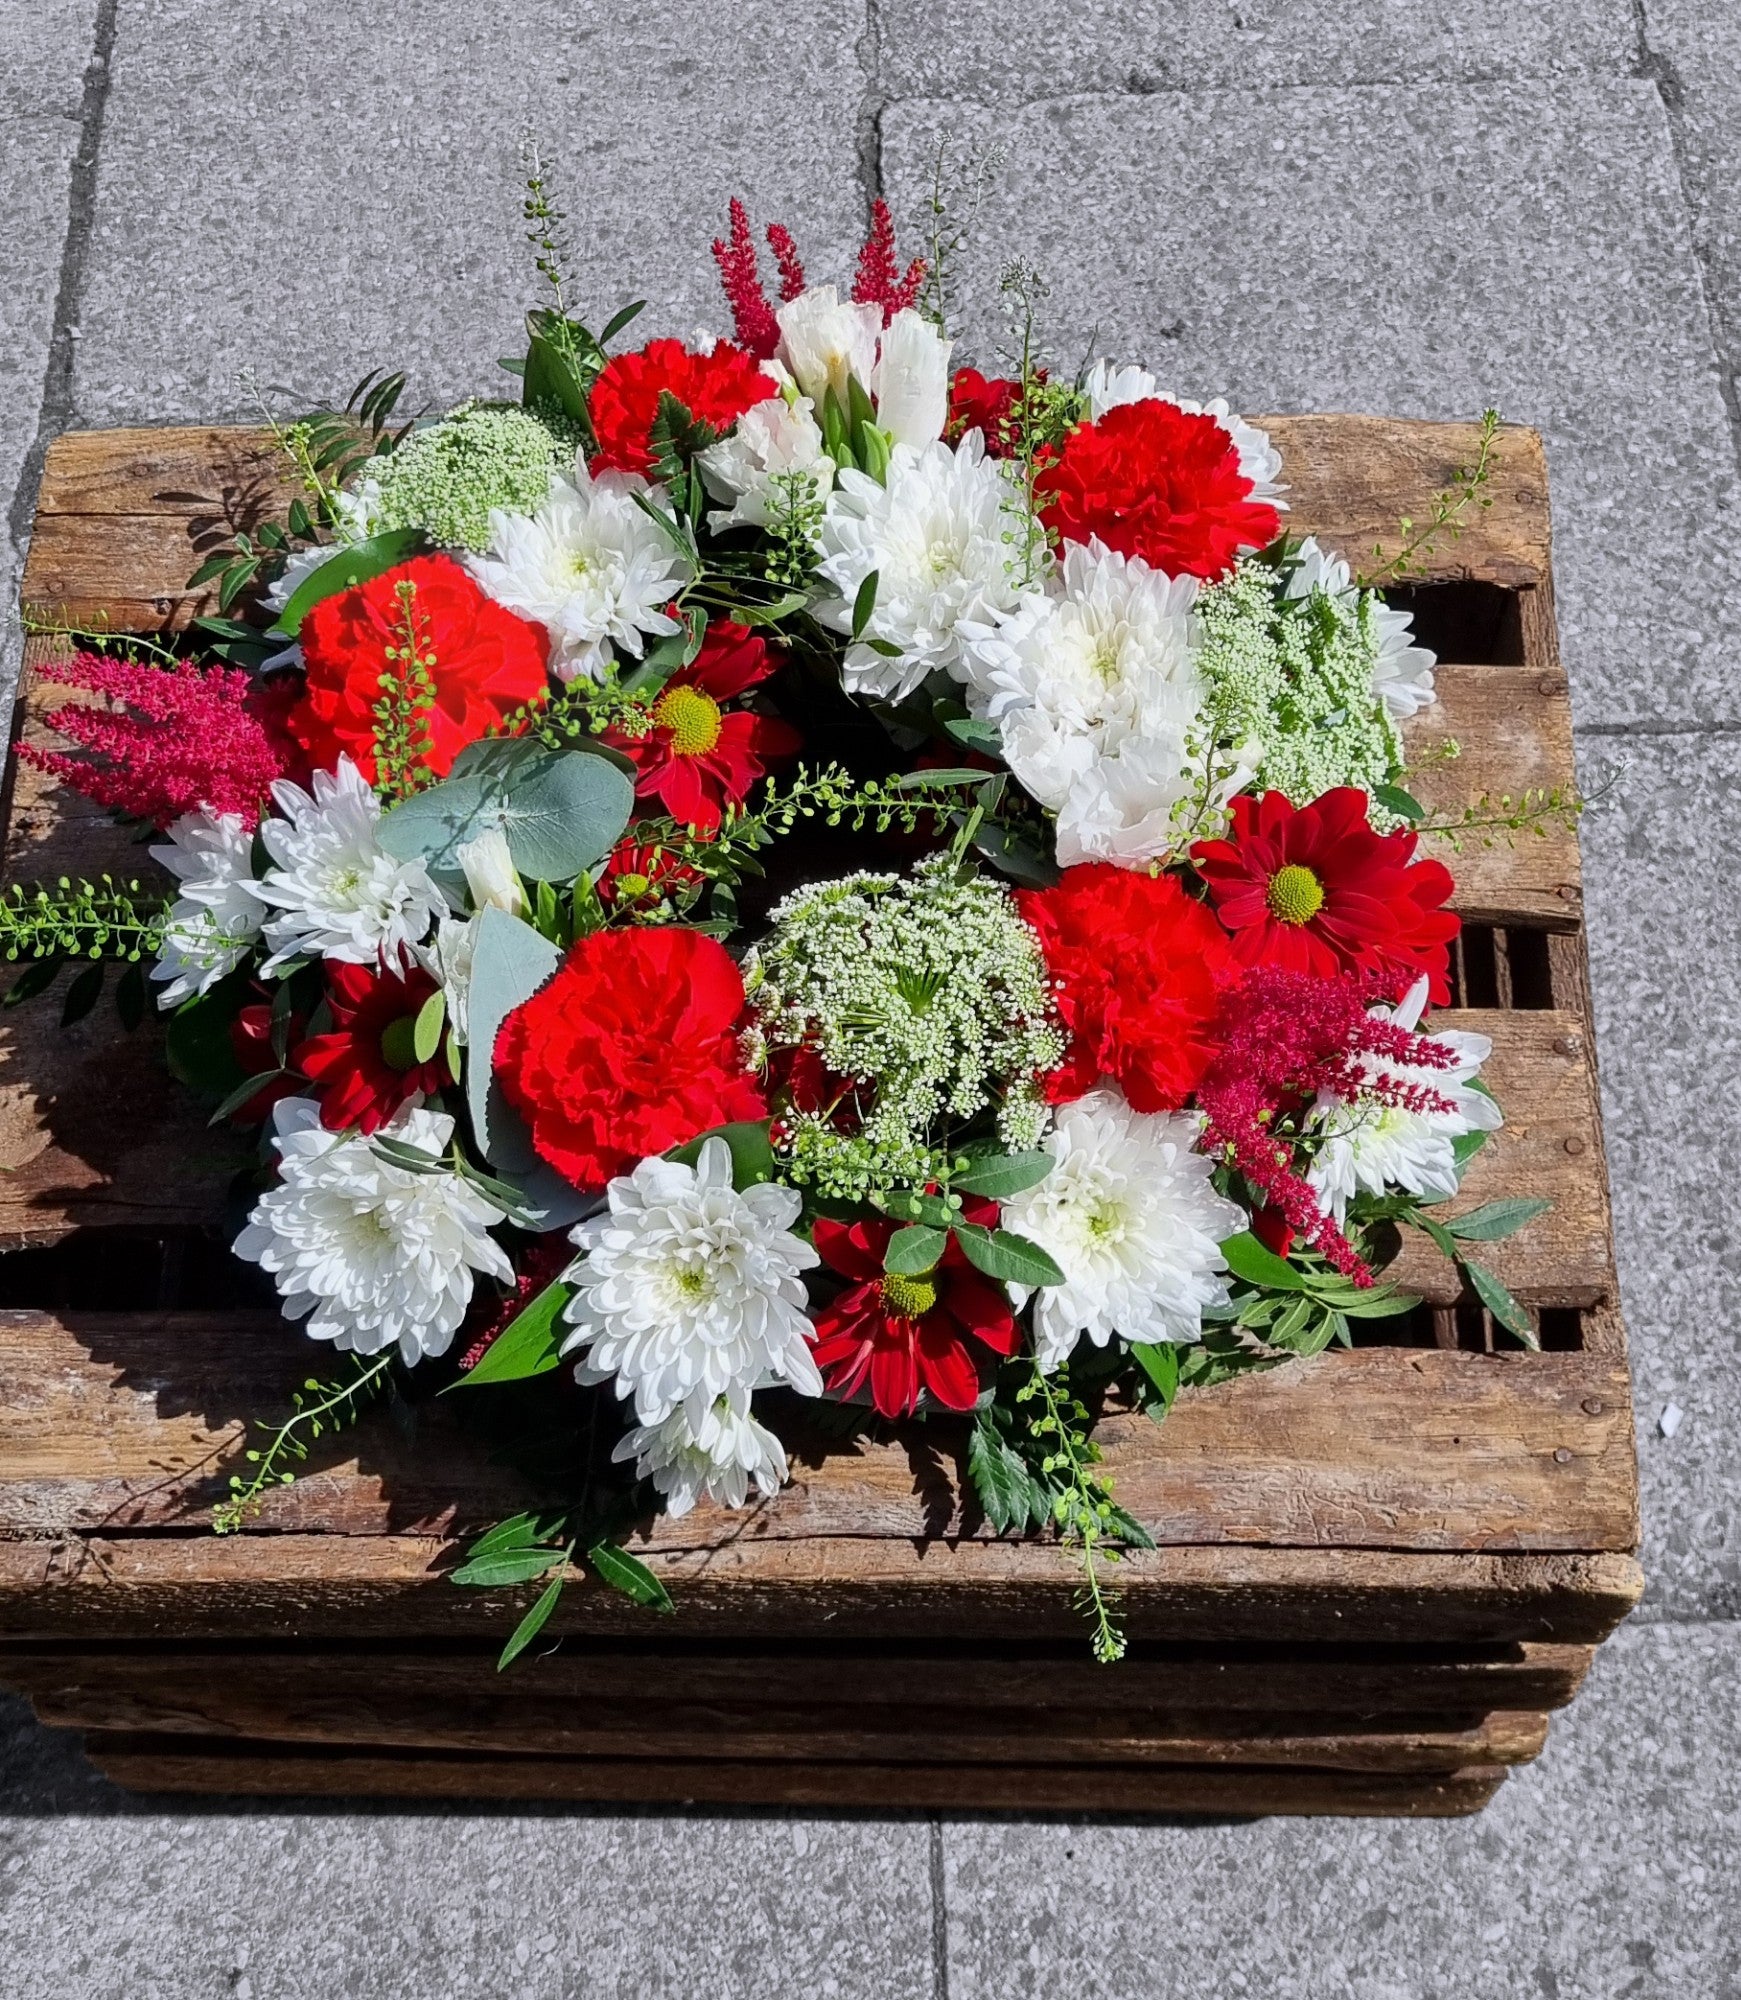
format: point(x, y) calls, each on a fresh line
point(164, 1763)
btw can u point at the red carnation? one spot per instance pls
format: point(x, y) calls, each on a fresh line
point(1137, 969)
point(630, 1050)
point(717, 388)
point(904, 1334)
point(695, 758)
point(983, 403)
point(176, 738)
point(486, 662)
point(1314, 889)
point(366, 1068)
point(1151, 481)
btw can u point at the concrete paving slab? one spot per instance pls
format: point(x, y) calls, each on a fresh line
point(1662, 852)
point(1417, 251)
point(107, 1898)
point(312, 191)
point(1026, 49)
point(1606, 1870)
point(44, 47)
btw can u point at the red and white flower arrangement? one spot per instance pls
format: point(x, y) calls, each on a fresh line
point(779, 869)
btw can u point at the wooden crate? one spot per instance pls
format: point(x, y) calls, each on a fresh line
point(1377, 1571)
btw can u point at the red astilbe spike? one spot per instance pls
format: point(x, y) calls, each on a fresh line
point(880, 281)
point(186, 737)
point(758, 331)
point(1285, 1037)
point(786, 256)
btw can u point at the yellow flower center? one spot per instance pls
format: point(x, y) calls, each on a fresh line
point(908, 1298)
point(692, 718)
point(1295, 894)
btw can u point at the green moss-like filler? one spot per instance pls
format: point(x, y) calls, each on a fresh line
point(446, 478)
point(1293, 678)
point(930, 993)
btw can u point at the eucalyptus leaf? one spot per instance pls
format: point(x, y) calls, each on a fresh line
point(559, 810)
point(510, 962)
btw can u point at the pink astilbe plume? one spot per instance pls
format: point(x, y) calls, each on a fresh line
point(786, 256)
point(880, 281)
point(1285, 1036)
point(188, 736)
point(758, 332)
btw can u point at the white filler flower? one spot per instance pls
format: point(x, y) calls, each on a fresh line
point(716, 1461)
point(939, 537)
point(1402, 675)
point(1093, 686)
point(1371, 1147)
point(688, 1287)
point(825, 341)
point(912, 380)
point(1132, 1219)
point(591, 566)
point(215, 920)
point(1107, 387)
point(772, 441)
point(336, 894)
point(373, 1254)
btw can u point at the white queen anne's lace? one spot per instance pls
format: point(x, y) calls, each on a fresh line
point(1402, 674)
point(335, 892)
point(689, 1287)
point(1131, 1217)
point(215, 920)
point(372, 1254)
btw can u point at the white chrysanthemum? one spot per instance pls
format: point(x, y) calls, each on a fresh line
point(1402, 675)
point(716, 1461)
point(689, 1286)
point(825, 341)
point(1368, 1147)
point(447, 958)
point(1095, 692)
point(299, 566)
point(1108, 387)
point(374, 1255)
point(772, 440)
point(337, 894)
point(216, 919)
point(1131, 1217)
point(591, 566)
point(940, 535)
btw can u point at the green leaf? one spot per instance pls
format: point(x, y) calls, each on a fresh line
point(1494, 1220)
point(913, 1251)
point(1438, 1232)
point(82, 995)
point(1015, 857)
point(619, 319)
point(1404, 804)
point(560, 810)
point(344, 569)
point(426, 1031)
point(752, 1154)
point(1500, 1303)
point(1001, 1480)
point(630, 1575)
point(1000, 1175)
point(510, 962)
point(518, 1531)
point(248, 1089)
point(972, 733)
point(1159, 1361)
point(518, 1565)
point(532, 1624)
point(550, 384)
point(1009, 1258)
point(1379, 1303)
point(674, 437)
point(1465, 1146)
point(1128, 1528)
point(864, 604)
point(1253, 1261)
point(530, 1344)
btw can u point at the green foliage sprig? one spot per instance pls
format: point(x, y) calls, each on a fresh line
point(402, 734)
point(316, 1408)
point(1497, 818)
point(105, 919)
point(1468, 488)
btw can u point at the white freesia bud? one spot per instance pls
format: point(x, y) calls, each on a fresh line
point(825, 342)
point(912, 380)
point(489, 872)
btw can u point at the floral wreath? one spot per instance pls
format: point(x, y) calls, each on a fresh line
point(777, 869)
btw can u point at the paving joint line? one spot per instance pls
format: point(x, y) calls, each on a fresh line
point(939, 1914)
point(1660, 71)
point(873, 101)
point(1675, 728)
point(57, 383)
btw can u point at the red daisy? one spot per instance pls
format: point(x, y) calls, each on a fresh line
point(717, 388)
point(1315, 889)
point(366, 1067)
point(486, 662)
point(630, 1050)
point(697, 758)
point(983, 403)
point(906, 1334)
point(1151, 481)
point(1137, 970)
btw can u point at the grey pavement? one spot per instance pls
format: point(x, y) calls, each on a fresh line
point(1416, 206)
